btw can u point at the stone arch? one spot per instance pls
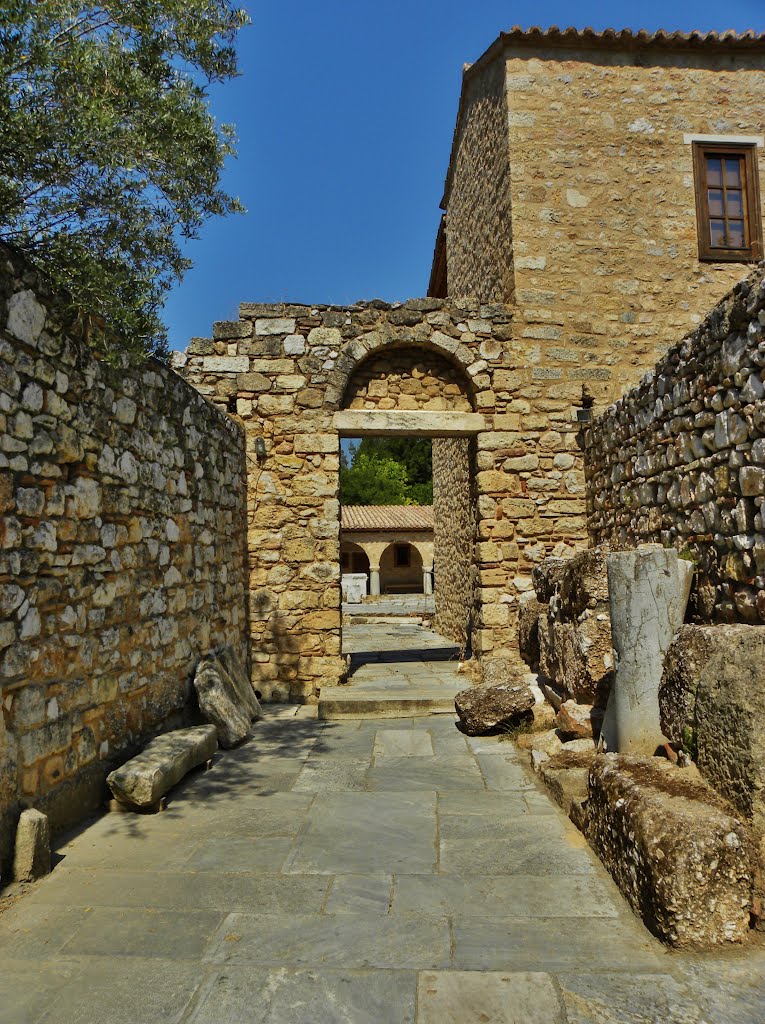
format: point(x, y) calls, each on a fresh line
point(360, 351)
point(396, 578)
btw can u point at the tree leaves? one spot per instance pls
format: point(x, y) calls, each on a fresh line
point(109, 154)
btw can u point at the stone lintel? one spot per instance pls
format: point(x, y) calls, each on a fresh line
point(403, 422)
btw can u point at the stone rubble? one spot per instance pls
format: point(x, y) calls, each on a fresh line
point(483, 710)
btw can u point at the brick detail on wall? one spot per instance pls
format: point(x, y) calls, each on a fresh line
point(455, 534)
point(122, 554)
point(680, 460)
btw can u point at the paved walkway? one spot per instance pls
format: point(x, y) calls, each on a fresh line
point(356, 872)
point(397, 667)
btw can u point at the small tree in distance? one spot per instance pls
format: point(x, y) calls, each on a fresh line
point(109, 154)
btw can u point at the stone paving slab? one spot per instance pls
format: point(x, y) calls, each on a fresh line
point(464, 997)
point(363, 880)
point(333, 940)
point(281, 996)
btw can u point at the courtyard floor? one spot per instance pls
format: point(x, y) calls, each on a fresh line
point(375, 872)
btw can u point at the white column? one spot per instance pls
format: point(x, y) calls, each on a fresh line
point(374, 580)
point(427, 579)
point(647, 592)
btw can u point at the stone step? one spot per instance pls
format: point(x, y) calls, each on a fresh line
point(337, 702)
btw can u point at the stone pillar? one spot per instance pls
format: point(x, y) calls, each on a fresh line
point(427, 579)
point(374, 581)
point(647, 591)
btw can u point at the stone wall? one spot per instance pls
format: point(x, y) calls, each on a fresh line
point(455, 520)
point(479, 240)
point(288, 371)
point(600, 185)
point(680, 460)
point(122, 553)
point(408, 379)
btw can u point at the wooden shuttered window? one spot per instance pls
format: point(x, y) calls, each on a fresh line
point(727, 202)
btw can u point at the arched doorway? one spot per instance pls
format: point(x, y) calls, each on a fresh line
point(401, 569)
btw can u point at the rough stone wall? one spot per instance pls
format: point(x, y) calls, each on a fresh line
point(122, 554)
point(479, 240)
point(605, 254)
point(287, 370)
point(455, 522)
point(680, 460)
point(408, 379)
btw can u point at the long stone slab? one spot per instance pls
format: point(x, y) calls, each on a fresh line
point(406, 423)
point(148, 776)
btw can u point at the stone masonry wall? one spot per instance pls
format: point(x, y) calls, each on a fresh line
point(600, 182)
point(680, 460)
point(408, 379)
point(454, 514)
point(121, 552)
point(287, 370)
point(479, 240)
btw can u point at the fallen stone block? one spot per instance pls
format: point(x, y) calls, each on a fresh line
point(529, 610)
point(143, 780)
point(579, 721)
point(487, 709)
point(711, 702)
point(32, 856)
point(548, 665)
point(222, 702)
point(679, 857)
point(542, 746)
point(229, 659)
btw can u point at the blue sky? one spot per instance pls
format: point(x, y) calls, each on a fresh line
point(345, 112)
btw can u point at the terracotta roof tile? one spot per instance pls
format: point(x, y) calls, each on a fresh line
point(387, 517)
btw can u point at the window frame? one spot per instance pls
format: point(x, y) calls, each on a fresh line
point(747, 152)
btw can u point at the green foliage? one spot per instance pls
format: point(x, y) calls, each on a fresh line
point(109, 155)
point(370, 480)
point(387, 471)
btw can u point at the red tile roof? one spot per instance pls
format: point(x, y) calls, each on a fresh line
point(387, 517)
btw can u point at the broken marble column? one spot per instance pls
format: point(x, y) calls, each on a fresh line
point(648, 592)
point(32, 858)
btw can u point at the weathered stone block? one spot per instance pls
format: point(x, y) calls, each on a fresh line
point(582, 660)
point(225, 364)
point(32, 855)
point(487, 709)
point(162, 764)
point(225, 700)
point(711, 702)
point(680, 858)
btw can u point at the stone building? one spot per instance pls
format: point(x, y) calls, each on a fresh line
point(585, 189)
point(392, 544)
point(602, 195)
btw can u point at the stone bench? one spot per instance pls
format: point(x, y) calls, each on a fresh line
point(672, 846)
point(144, 780)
